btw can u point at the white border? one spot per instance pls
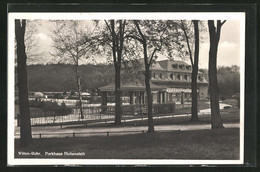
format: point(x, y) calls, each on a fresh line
point(98, 16)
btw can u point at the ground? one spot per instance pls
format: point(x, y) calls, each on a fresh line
point(192, 141)
point(197, 144)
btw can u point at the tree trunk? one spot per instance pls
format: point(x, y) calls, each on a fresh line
point(148, 92)
point(79, 92)
point(25, 127)
point(117, 95)
point(194, 105)
point(117, 48)
point(216, 121)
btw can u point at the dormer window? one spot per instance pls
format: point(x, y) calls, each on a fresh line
point(188, 67)
point(181, 66)
point(175, 66)
point(154, 75)
point(200, 78)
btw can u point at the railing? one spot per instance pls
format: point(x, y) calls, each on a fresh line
point(99, 113)
point(180, 106)
point(140, 109)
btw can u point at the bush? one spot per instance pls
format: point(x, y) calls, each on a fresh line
point(51, 106)
point(222, 98)
point(58, 96)
point(34, 103)
point(62, 111)
point(163, 108)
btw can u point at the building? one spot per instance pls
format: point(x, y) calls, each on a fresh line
point(170, 82)
point(175, 76)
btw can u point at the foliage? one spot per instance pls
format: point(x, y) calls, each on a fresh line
point(51, 106)
point(151, 36)
point(228, 81)
point(71, 41)
point(60, 77)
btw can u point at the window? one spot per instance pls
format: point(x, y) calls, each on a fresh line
point(181, 66)
point(185, 77)
point(161, 76)
point(154, 75)
point(179, 77)
point(171, 76)
point(200, 78)
point(188, 67)
point(175, 66)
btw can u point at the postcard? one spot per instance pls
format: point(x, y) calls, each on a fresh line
point(126, 88)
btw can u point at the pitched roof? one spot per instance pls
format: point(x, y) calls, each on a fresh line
point(131, 86)
point(169, 65)
point(157, 66)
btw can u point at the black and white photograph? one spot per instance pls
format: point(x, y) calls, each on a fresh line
point(126, 88)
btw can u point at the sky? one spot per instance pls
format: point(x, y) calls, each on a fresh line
point(228, 51)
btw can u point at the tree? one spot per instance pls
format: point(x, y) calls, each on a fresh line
point(228, 81)
point(112, 41)
point(72, 42)
point(214, 34)
point(116, 41)
point(25, 127)
point(151, 35)
point(195, 67)
point(194, 63)
point(31, 41)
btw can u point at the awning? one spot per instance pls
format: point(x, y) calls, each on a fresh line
point(178, 90)
point(131, 87)
point(85, 94)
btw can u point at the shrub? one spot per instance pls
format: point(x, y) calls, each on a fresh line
point(222, 98)
point(34, 103)
point(62, 111)
point(164, 108)
point(58, 96)
point(48, 105)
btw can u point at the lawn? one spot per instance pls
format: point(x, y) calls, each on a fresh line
point(198, 144)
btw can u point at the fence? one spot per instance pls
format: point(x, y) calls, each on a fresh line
point(140, 109)
point(180, 106)
point(99, 113)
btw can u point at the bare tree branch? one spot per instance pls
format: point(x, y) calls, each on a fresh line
point(188, 42)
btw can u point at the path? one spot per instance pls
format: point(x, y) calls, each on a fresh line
point(56, 132)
